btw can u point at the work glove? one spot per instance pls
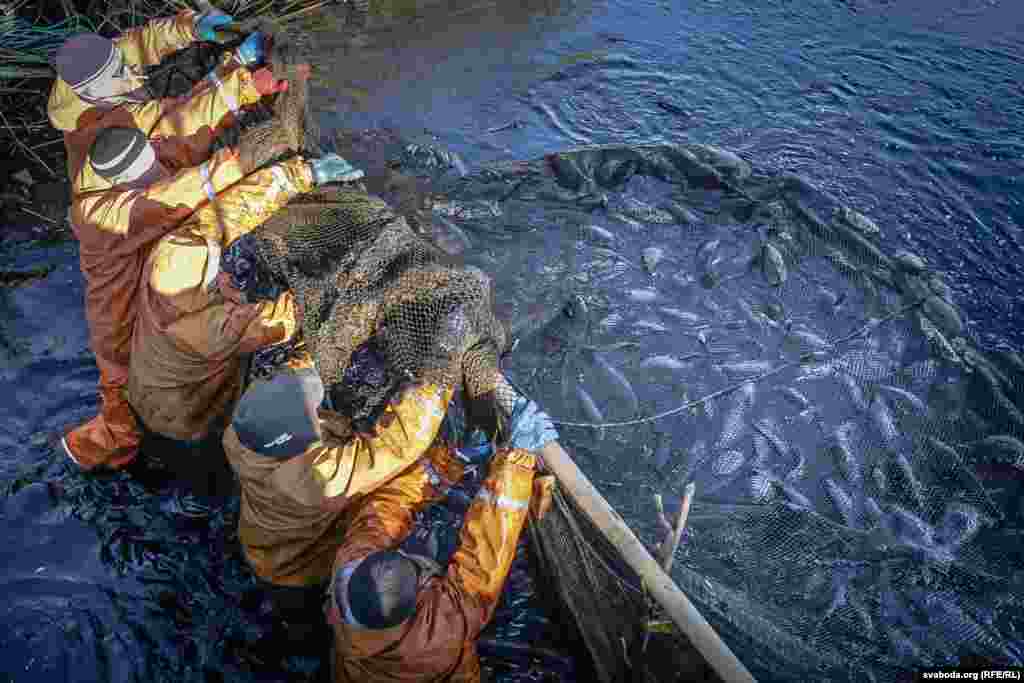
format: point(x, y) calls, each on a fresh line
point(530, 428)
point(265, 83)
point(207, 23)
point(251, 51)
point(332, 168)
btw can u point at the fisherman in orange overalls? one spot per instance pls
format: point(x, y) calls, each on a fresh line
point(99, 86)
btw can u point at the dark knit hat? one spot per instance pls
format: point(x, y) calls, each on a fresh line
point(382, 590)
point(114, 150)
point(277, 417)
point(82, 57)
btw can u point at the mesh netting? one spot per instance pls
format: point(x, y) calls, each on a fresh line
point(857, 457)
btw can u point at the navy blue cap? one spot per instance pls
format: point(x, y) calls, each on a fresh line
point(277, 417)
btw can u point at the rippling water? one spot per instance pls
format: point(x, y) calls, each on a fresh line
point(908, 111)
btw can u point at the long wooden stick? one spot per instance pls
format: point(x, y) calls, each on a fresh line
point(668, 548)
point(660, 585)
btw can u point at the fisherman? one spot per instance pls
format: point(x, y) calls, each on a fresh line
point(99, 86)
point(187, 337)
point(398, 616)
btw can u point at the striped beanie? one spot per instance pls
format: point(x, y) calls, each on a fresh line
point(115, 149)
point(83, 57)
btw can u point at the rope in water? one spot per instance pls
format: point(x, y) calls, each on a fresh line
point(804, 358)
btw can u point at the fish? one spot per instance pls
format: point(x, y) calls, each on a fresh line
point(859, 221)
point(761, 487)
point(735, 418)
point(799, 470)
point(769, 430)
point(773, 265)
point(649, 326)
point(663, 362)
point(746, 369)
point(853, 391)
point(619, 381)
point(841, 501)
point(959, 524)
point(791, 494)
point(645, 213)
point(682, 214)
point(795, 397)
point(680, 315)
point(727, 463)
point(764, 452)
point(960, 628)
point(590, 409)
point(614, 172)
point(945, 457)
point(882, 418)
point(910, 480)
point(872, 512)
point(1003, 449)
point(609, 321)
point(651, 257)
point(699, 455)
point(808, 340)
point(879, 479)
point(642, 296)
point(567, 172)
point(937, 340)
point(866, 365)
point(842, 453)
point(709, 254)
point(908, 527)
point(599, 234)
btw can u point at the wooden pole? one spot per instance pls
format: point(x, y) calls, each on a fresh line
point(668, 548)
point(659, 584)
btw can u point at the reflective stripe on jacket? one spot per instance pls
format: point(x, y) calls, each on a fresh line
point(438, 643)
point(186, 346)
point(292, 511)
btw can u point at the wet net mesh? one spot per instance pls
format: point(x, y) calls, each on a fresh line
point(857, 455)
point(685, 318)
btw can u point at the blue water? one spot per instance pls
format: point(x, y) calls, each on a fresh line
point(909, 111)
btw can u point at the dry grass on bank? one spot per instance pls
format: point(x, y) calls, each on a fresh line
point(32, 32)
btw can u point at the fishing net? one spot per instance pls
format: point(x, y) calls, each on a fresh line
point(857, 455)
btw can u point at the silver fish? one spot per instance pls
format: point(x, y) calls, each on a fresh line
point(735, 417)
point(867, 366)
point(649, 326)
point(883, 420)
point(960, 523)
point(645, 213)
point(841, 448)
point(590, 409)
point(761, 487)
point(708, 254)
point(880, 480)
point(620, 382)
point(651, 257)
point(872, 512)
point(905, 396)
point(663, 362)
point(682, 316)
point(853, 391)
point(859, 222)
point(791, 494)
point(1003, 449)
point(770, 431)
point(799, 470)
point(599, 234)
point(910, 479)
point(727, 463)
point(908, 527)
point(642, 296)
point(808, 340)
point(946, 458)
point(795, 397)
point(774, 266)
point(682, 214)
point(841, 501)
point(746, 369)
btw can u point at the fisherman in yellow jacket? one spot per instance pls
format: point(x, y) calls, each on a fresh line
point(99, 86)
point(187, 340)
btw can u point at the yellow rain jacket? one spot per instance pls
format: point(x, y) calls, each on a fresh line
point(189, 123)
point(438, 643)
point(186, 346)
point(292, 510)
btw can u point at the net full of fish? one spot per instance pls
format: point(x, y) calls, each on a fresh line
point(858, 423)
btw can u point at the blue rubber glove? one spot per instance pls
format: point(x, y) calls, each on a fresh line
point(207, 23)
point(476, 448)
point(530, 427)
point(332, 168)
point(251, 50)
